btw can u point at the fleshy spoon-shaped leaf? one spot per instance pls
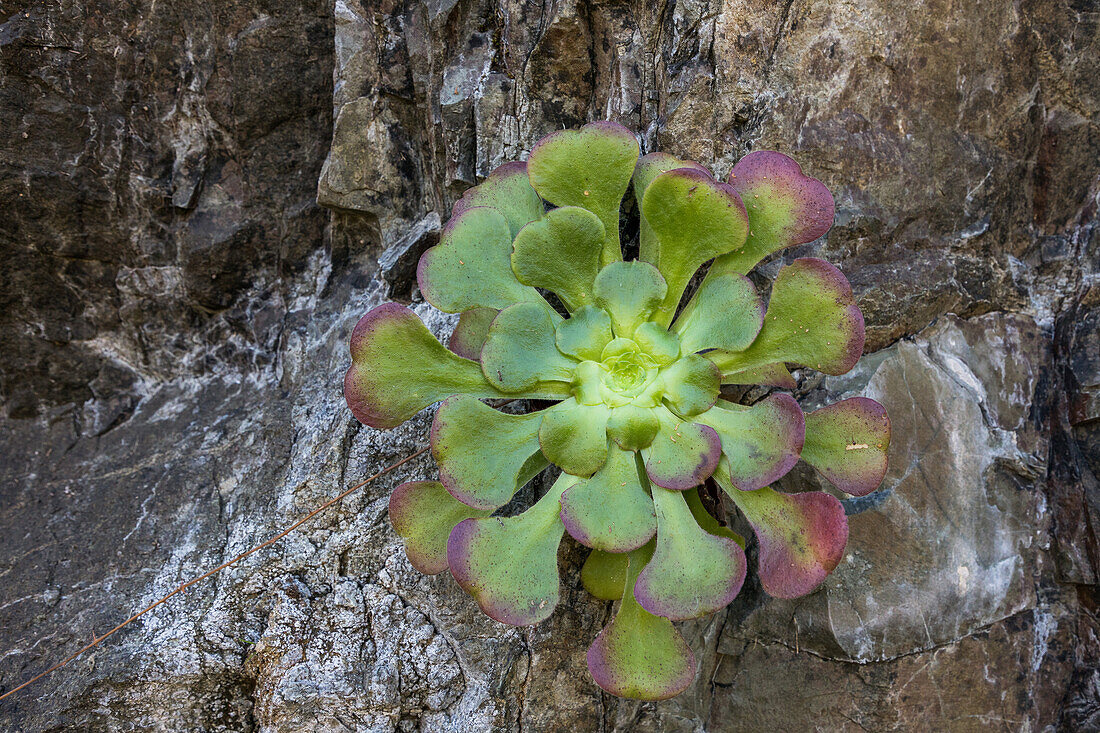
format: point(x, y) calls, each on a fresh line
point(520, 354)
point(801, 536)
point(423, 514)
point(691, 385)
point(510, 564)
point(693, 572)
point(683, 454)
point(785, 207)
point(574, 436)
point(604, 574)
point(591, 168)
point(462, 426)
point(649, 167)
point(847, 442)
point(630, 292)
point(398, 368)
point(584, 334)
point(610, 511)
point(695, 219)
point(471, 331)
point(639, 655)
point(507, 190)
point(471, 267)
point(812, 319)
point(561, 253)
point(761, 443)
point(725, 313)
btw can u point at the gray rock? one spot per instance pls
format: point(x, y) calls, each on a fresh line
point(176, 307)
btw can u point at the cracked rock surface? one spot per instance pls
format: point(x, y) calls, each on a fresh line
point(199, 200)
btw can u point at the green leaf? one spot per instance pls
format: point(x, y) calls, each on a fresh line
point(520, 354)
point(471, 331)
point(423, 514)
point(847, 442)
point(707, 521)
point(649, 167)
point(770, 375)
point(484, 479)
point(561, 253)
point(632, 427)
point(574, 436)
point(584, 334)
point(695, 219)
point(801, 536)
point(639, 655)
point(812, 320)
point(658, 342)
point(692, 573)
point(785, 208)
point(604, 574)
point(683, 454)
point(507, 190)
point(761, 443)
point(591, 168)
point(691, 385)
point(630, 292)
point(398, 368)
point(471, 267)
point(510, 564)
point(725, 313)
point(610, 511)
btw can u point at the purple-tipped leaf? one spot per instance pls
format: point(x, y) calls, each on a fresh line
point(801, 537)
point(510, 564)
point(423, 514)
point(785, 207)
point(639, 655)
point(398, 368)
point(812, 319)
point(847, 442)
point(471, 331)
point(683, 454)
point(692, 573)
point(761, 443)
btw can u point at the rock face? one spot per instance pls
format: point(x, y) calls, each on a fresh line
point(176, 307)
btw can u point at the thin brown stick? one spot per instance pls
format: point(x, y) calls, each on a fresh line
point(223, 566)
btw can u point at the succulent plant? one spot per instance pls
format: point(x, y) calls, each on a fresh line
point(551, 311)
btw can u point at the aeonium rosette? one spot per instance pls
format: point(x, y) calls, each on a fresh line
point(639, 422)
